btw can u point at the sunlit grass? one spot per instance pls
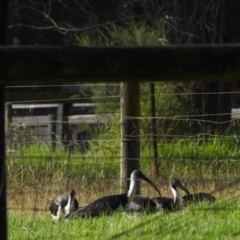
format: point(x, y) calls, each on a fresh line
point(220, 220)
point(36, 174)
point(214, 157)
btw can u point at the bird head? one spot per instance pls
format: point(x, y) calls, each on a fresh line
point(139, 175)
point(176, 183)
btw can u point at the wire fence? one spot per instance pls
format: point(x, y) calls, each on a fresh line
point(194, 144)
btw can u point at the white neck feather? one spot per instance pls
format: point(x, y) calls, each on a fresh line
point(132, 188)
point(68, 207)
point(176, 198)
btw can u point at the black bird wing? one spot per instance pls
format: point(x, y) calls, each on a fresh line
point(141, 203)
point(164, 203)
point(103, 206)
point(199, 197)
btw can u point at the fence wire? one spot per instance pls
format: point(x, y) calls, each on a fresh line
point(199, 147)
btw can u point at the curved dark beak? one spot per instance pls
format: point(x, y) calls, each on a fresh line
point(72, 193)
point(184, 189)
point(142, 176)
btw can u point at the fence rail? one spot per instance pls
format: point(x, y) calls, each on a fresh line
point(111, 64)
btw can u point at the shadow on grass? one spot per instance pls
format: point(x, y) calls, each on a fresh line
point(170, 228)
point(180, 222)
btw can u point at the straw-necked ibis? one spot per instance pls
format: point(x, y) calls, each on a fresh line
point(108, 204)
point(167, 203)
point(142, 204)
point(63, 205)
point(198, 197)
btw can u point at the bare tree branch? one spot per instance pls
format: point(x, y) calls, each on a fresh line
point(62, 29)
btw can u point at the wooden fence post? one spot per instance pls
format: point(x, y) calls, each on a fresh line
point(61, 120)
point(8, 115)
point(130, 131)
point(3, 191)
point(50, 129)
point(59, 126)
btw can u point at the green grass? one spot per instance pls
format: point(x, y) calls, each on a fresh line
point(220, 220)
point(105, 155)
point(184, 159)
point(35, 174)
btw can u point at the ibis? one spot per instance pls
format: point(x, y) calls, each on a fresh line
point(108, 204)
point(167, 203)
point(63, 205)
point(198, 197)
point(142, 204)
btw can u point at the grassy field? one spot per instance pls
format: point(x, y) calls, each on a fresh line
point(220, 220)
point(36, 174)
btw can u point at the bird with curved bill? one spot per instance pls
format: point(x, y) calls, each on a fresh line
point(167, 203)
point(62, 206)
point(142, 204)
point(198, 197)
point(108, 204)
